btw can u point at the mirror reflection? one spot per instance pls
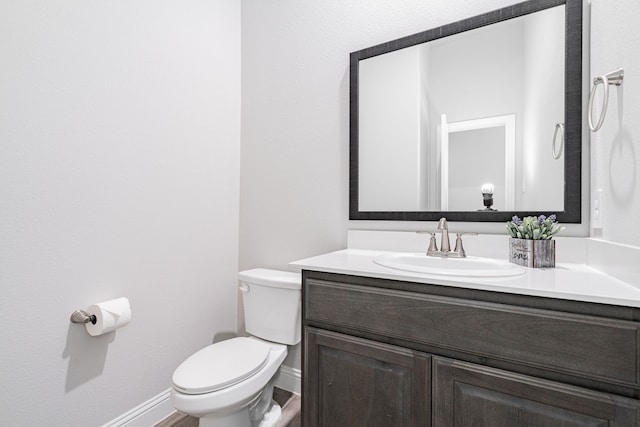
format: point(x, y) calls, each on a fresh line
point(439, 120)
point(478, 164)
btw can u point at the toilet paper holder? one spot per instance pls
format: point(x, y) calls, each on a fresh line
point(81, 316)
point(104, 317)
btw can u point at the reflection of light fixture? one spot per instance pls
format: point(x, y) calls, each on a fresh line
point(487, 196)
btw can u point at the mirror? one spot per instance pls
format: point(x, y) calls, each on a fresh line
point(440, 117)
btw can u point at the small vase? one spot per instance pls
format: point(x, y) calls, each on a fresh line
point(533, 253)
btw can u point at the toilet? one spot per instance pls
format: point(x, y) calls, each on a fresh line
point(230, 383)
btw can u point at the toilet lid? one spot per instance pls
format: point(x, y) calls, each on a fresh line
point(221, 365)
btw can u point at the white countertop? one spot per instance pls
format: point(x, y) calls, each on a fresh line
point(576, 282)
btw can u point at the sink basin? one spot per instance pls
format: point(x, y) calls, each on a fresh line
point(460, 267)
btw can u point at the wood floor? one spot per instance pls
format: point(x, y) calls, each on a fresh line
point(290, 412)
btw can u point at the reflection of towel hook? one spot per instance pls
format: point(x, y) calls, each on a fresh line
point(557, 154)
point(612, 78)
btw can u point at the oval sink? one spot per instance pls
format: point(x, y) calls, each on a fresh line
point(461, 267)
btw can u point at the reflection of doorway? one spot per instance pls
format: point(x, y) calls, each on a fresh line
point(473, 153)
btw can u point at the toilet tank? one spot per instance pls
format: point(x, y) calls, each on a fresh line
point(272, 304)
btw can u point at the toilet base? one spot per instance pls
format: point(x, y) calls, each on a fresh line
point(272, 416)
point(242, 418)
point(236, 419)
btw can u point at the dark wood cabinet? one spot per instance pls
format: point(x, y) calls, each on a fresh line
point(361, 383)
point(469, 395)
point(379, 352)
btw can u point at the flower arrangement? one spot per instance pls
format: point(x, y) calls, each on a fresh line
point(533, 228)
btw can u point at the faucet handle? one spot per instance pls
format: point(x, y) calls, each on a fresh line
point(433, 247)
point(459, 249)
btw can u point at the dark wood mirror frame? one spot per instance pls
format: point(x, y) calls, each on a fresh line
point(572, 102)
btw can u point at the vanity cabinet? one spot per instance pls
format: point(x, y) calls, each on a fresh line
point(379, 352)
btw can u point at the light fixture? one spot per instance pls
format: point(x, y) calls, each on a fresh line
point(487, 196)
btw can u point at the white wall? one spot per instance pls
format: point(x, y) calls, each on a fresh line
point(119, 163)
point(615, 148)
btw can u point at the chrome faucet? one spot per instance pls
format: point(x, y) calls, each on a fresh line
point(445, 245)
point(443, 226)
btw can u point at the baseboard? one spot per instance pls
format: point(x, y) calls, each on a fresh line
point(147, 414)
point(289, 379)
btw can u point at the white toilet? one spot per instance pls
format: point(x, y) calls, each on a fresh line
point(230, 383)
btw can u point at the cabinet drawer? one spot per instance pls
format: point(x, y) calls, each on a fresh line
point(588, 346)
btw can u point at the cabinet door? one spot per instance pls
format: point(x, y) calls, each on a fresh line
point(466, 395)
point(352, 382)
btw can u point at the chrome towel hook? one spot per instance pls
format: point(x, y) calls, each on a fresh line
point(556, 154)
point(611, 78)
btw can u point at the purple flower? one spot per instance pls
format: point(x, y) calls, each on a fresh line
point(541, 219)
point(552, 217)
point(516, 220)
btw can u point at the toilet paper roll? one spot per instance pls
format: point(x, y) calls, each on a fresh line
point(110, 315)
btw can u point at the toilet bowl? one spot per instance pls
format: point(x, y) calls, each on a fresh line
point(230, 383)
point(231, 393)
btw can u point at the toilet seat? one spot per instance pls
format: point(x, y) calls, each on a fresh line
point(241, 358)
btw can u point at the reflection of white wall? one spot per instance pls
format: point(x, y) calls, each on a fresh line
point(427, 183)
point(476, 157)
point(390, 171)
point(543, 86)
point(475, 82)
point(486, 72)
